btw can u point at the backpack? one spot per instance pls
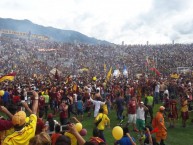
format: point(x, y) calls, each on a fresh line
point(98, 121)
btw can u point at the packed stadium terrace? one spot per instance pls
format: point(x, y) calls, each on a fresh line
point(39, 57)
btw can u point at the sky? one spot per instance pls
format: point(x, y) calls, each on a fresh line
point(131, 21)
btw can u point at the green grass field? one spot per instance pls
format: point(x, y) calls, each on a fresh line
point(176, 136)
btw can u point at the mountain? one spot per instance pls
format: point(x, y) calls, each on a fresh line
point(55, 34)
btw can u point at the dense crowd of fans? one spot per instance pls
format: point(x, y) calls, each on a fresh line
point(44, 55)
point(71, 89)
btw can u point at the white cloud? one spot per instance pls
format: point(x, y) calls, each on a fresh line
point(132, 21)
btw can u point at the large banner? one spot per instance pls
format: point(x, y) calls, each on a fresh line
point(41, 37)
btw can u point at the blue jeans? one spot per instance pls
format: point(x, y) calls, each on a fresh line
point(119, 114)
point(156, 97)
point(127, 98)
point(101, 135)
point(63, 121)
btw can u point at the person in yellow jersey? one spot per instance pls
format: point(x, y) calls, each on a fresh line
point(101, 126)
point(184, 110)
point(74, 135)
point(6, 126)
point(105, 108)
point(47, 100)
point(23, 133)
point(72, 138)
point(149, 103)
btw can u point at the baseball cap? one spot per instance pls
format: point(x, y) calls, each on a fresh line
point(162, 108)
point(19, 118)
point(50, 115)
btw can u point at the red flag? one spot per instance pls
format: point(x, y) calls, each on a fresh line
point(153, 69)
point(154, 130)
point(9, 77)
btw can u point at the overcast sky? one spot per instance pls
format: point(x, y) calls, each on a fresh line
point(131, 21)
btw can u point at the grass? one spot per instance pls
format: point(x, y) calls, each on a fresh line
point(176, 136)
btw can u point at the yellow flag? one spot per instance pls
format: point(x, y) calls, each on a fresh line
point(109, 74)
point(84, 69)
point(9, 77)
point(74, 88)
point(105, 67)
point(174, 76)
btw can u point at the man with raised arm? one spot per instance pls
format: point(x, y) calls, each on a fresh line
point(23, 133)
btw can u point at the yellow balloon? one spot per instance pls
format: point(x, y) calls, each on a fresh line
point(117, 132)
point(94, 78)
point(1, 92)
point(78, 126)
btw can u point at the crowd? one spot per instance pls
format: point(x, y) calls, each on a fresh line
point(44, 55)
point(72, 91)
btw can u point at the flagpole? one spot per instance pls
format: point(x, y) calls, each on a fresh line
point(154, 64)
point(147, 67)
